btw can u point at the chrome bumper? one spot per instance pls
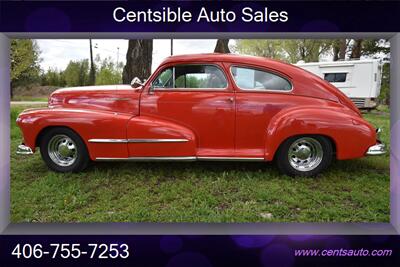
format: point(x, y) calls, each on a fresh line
point(24, 150)
point(378, 149)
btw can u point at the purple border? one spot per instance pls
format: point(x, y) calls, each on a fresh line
point(97, 16)
point(4, 131)
point(198, 228)
point(395, 132)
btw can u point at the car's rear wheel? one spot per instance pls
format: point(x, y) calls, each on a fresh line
point(304, 155)
point(63, 150)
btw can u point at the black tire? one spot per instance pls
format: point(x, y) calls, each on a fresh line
point(285, 165)
point(74, 163)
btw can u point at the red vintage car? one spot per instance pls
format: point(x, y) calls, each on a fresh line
point(214, 107)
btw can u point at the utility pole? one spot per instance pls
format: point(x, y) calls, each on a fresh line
point(92, 72)
point(172, 47)
point(117, 56)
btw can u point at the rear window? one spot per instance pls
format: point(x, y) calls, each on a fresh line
point(255, 79)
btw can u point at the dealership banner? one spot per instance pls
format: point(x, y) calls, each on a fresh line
point(199, 16)
point(199, 250)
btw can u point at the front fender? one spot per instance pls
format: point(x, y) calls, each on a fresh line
point(351, 134)
point(88, 124)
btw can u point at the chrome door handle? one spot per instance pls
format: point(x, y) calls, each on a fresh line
point(231, 99)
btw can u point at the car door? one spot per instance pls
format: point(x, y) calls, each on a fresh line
point(197, 97)
point(260, 94)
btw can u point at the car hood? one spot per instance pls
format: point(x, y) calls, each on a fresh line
point(113, 98)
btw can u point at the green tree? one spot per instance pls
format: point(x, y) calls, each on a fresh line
point(308, 50)
point(384, 96)
point(263, 48)
point(53, 77)
point(372, 47)
point(339, 49)
point(292, 51)
point(24, 62)
point(356, 48)
point(77, 73)
point(62, 81)
point(109, 72)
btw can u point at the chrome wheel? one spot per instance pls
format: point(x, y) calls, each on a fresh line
point(62, 150)
point(305, 154)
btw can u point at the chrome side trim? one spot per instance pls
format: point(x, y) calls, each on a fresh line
point(229, 159)
point(148, 159)
point(192, 158)
point(108, 141)
point(157, 140)
point(376, 150)
point(137, 140)
point(118, 99)
point(24, 150)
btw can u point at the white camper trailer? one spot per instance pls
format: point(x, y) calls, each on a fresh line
point(360, 80)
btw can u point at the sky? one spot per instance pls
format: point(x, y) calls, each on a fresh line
point(56, 53)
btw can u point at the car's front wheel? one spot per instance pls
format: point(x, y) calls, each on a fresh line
point(304, 155)
point(63, 150)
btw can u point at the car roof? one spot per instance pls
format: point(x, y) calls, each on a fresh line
point(282, 67)
point(302, 78)
point(212, 57)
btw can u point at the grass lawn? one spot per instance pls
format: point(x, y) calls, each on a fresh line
point(30, 98)
point(349, 191)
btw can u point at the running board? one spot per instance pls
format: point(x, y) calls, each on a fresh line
point(181, 159)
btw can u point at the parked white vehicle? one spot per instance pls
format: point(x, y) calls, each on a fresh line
point(360, 80)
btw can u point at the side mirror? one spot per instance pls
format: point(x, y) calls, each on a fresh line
point(136, 82)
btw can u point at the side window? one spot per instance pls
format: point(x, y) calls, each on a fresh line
point(164, 79)
point(199, 77)
point(250, 79)
point(335, 77)
point(191, 77)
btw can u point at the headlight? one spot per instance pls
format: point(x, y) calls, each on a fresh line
point(378, 133)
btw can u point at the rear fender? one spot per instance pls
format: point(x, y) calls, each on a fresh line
point(351, 135)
